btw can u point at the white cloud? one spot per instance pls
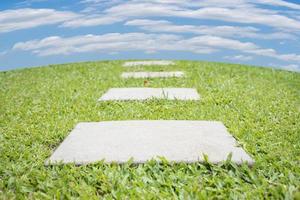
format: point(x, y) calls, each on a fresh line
point(217, 3)
point(11, 20)
point(93, 6)
point(279, 3)
point(224, 31)
point(91, 20)
point(117, 42)
point(29, 2)
point(93, 1)
point(238, 11)
point(239, 58)
point(291, 67)
point(112, 42)
point(2, 53)
point(100, 12)
point(99, 1)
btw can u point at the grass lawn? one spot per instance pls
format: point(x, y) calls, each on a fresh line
point(40, 106)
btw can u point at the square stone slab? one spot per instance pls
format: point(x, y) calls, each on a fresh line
point(151, 74)
point(119, 141)
point(150, 93)
point(146, 63)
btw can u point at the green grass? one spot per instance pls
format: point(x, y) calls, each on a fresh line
point(40, 106)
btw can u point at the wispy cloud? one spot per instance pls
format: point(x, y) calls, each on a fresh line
point(29, 2)
point(96, 5)
point(239, 58)
point(91, 20)
point(279, 3)
point(115, 42)
point(2, 53)
point(291, 67)
point(11, 20)
point(224, 31)
point(243, 12)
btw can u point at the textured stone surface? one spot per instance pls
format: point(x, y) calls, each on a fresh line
point(151, 74)
point(150, 93)
point(118, 141)
point(145, 63)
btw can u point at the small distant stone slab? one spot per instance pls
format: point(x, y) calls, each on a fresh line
point(177, 141)
point(145, 63)
point(150, 93)
point(151, 74)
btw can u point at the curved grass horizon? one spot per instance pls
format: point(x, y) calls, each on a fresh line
point(40, 106)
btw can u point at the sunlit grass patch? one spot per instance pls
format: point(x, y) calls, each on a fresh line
point(40, 106)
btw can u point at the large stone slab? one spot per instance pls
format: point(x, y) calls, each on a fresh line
point(147, 63)
point(178, 141)
point(150, 93)
point(152, 74)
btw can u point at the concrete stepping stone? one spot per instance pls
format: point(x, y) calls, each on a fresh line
point(151, 74)
point(147, 63)
point(177, 141)
point(150, 93)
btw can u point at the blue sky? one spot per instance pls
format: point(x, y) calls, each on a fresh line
point(255, 32)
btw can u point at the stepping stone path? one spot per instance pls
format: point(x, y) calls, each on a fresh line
point(175, 140)
point(145, 63)
point(118, 141)
point(115, 94)
point(151, 74)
